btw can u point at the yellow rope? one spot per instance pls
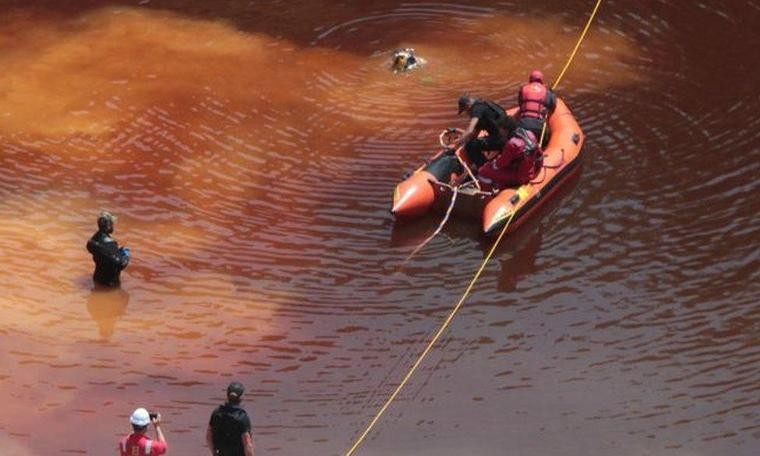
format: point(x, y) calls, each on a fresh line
point(572, 56)
point(469, 287)
point(432, 341)
point(578, 44)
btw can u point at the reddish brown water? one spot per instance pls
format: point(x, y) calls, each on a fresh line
point(250, 150)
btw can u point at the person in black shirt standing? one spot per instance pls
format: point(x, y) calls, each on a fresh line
point(229, 429)
point(484, 115)
point(109, 259)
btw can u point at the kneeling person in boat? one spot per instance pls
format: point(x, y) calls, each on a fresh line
point(519, 162)
point(484, 115)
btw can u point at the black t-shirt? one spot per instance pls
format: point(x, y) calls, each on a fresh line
point(488, 114)
point(228, 423)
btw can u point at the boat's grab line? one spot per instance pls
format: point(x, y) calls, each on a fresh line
point(440, 226)
point(475, 278)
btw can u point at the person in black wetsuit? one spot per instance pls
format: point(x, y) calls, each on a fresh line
point(109, 259)
point(484, 115)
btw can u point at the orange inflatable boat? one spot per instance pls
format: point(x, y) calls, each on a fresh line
point(432, 186)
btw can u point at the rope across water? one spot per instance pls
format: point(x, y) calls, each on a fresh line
point(572, 56)
point(475, 278)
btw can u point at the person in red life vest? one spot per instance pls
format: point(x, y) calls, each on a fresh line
point(519, 162)
point(137, 443)
point(536, 102)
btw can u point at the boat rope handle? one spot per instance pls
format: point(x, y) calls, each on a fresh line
point(475, 278)
point(467, 168)
point(449, 131)
point(536, 182)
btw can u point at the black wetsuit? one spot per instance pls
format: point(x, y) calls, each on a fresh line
point(488, 114)
point(109, 259)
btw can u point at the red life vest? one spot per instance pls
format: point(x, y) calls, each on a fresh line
point(533, 101)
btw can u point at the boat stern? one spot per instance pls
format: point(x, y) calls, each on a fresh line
point(493, 223)
point(500, 209)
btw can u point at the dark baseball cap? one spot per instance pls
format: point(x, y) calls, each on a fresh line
point(235, 390)
point(464, 101)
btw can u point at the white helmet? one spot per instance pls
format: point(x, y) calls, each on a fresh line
point(140, 417)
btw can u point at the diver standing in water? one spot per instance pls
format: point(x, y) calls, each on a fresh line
point(109, 258)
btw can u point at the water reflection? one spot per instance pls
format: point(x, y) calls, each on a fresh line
point(106, 305)
point(521, 263)
point(524, 244)
point(516, 253)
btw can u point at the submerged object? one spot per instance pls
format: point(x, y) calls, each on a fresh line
point(431, 186)
point(405, 60)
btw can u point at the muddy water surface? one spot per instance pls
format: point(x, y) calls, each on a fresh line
point(250, 150)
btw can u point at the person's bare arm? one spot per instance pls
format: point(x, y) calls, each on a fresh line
point(159, 433)
point(247, 443)
point(469, 133)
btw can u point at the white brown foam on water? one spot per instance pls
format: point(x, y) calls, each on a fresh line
point(84, 75)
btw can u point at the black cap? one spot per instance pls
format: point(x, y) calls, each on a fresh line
point(235, 390)
point(464, 102)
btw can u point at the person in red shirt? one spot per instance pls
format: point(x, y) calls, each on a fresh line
point(137, 443)
point(517, 164)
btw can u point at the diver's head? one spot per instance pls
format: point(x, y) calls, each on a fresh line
point(403, 59)
point(105, 222)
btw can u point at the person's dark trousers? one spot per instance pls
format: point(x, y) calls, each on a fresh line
point(475, 147)
point(535, 125)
